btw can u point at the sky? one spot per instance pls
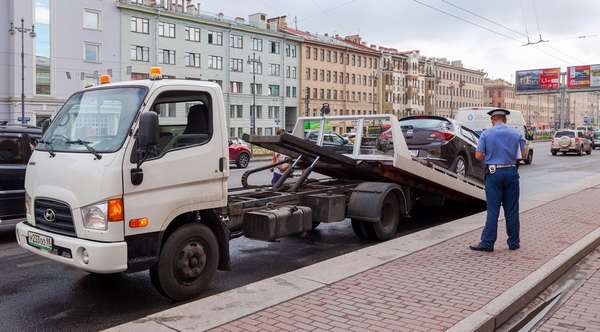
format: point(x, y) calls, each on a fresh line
point(411, 25)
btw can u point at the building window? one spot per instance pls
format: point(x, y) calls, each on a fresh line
point(275, 70)
point(294, 92)
point(274, 90)
point(322, 54)
point(315, 75)
point(322, 93)
point(294, 70)
point(232, 132)
point(192, 59)
point(236, 41)
point(215, 38)
point(288, 71)
point(275, 47)
point(166, 29)
point(329, 76)
point(294, 49)
point(236, 87)
point(236, 65)
point(240, 132)
point(335, 58)
point(257, 44)
point(236, 111)
point(288, 91)
point(328, 56)
point(215, 62)
point(91, 52)
point(256, 89)
point(308, 73)
point(42, 47)
point(91, 19)
point(166, 56)
point(271, 111)
point(258, 112)
point(139, 53)
point(140, 25)
point(322, 75)
point(192, 34)
point(308, 52)
point(256, 68)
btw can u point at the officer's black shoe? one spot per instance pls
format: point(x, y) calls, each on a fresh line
point(515, 247)
point(480, 247)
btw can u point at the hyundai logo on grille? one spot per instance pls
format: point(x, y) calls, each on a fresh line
point(49, 215)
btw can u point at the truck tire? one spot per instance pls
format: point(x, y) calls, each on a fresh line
point(187, 263)
point(387, 226)
point(363, 230)
point(242, 160)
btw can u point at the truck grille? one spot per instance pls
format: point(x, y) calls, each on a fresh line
point(54, 216)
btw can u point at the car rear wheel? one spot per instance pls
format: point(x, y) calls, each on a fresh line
point(553, 152)
point(589, 151)
point(460, 166)
point(242, 160)
point(580, 151)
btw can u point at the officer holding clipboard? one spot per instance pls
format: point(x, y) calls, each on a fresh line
point(500, 147)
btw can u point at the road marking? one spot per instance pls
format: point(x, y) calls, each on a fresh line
point(34, 263)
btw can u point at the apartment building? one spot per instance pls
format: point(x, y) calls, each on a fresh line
point(456, 87)
point(74, 42)
point(539, 110)
point(341, 72)
point(233, 52)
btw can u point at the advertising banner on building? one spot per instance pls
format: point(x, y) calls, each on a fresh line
point(583, 77)
point(537, 80)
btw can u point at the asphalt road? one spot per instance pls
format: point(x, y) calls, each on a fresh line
point(36, 294)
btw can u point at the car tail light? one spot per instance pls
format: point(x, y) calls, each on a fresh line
point(442, 135)
point(577, 139)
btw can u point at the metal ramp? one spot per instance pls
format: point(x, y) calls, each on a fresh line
point(395, 165)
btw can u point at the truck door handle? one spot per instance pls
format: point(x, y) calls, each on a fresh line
point(221, 164)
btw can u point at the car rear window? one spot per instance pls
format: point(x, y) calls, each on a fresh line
point(11, 151)
point(565, 133)
point(424, 123)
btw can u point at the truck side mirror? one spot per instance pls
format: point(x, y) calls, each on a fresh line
point(147, 138)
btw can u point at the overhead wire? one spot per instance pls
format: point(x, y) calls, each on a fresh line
point(487, 29)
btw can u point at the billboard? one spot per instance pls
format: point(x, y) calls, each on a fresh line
point(583, 77)
point(547, 79)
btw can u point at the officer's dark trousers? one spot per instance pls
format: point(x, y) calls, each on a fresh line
point(502, 188)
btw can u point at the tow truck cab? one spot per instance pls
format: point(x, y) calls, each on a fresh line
point(123, 168)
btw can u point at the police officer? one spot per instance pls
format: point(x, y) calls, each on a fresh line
point(500, 147)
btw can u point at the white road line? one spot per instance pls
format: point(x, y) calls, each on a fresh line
point(34, 263)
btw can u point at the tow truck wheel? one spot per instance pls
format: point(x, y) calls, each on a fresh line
point(187, 264)
point(386, 228)
point(360, 229)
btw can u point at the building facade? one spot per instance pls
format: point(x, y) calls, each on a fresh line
point(456, 87)
point(74, 42)
point(341, 72)
point(187, 44)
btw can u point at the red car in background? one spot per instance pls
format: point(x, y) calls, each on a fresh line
point(239, 153)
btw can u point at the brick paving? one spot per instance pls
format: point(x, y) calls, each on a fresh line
point(437, 287)
point(581, 312)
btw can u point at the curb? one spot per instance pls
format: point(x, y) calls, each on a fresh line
point(219, 309)
point(502, 308)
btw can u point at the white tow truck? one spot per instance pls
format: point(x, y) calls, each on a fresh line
point(132, 176)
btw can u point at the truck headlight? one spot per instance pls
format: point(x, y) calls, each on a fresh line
point(28, 204)
point(94, 216)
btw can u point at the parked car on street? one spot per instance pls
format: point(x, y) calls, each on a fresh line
point(331, 140)
point(568, 140)
point(239, 153)
point(445, 142)
point(16, 145)
point(596, 141)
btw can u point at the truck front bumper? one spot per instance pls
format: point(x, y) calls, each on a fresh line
point(103, 257)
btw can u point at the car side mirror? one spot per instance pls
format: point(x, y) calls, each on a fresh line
point(147, 139)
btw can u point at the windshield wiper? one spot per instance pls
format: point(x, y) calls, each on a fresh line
point(50, 147)
point(87, 146)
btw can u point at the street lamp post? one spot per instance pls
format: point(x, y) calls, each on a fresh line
point(22, 30)
point(253, 61)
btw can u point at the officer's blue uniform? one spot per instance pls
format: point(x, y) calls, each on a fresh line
point(501, 146)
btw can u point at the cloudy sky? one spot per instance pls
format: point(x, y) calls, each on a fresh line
point(408, 24)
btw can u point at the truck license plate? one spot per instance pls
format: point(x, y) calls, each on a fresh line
point(39, 241)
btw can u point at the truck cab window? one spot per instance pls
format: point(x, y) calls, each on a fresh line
point(185, 120)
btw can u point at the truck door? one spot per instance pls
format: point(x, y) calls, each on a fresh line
point(188, 169)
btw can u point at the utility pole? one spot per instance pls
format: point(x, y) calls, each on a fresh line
point(253, 61)
point(22, 30)
point(563, 93)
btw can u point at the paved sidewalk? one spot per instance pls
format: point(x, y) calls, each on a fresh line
point(581, 311)
point(437, 287)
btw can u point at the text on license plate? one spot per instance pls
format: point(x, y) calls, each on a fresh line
point(39, 241)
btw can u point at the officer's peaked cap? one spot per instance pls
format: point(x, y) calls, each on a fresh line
point(498, 111)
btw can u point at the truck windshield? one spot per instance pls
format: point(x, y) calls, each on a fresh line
point(99, 119)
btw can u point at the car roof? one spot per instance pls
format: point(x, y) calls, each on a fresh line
point(19, 129)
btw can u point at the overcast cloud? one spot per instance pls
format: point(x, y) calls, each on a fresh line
point(407, 25)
